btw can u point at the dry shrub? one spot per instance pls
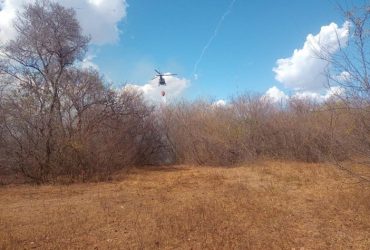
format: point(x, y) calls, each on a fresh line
point(251, 127)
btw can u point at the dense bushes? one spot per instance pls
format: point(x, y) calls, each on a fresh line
point(251, 127)
point(94, 130)
point(103, 130)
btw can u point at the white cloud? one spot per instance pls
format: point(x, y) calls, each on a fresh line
point(88, 63)
point(343, 77)
point(334, 92)
point(308, 95)
point(275, 95)
point(152, 92)
point(98, 18)
point(304, 71)
point(220, 103)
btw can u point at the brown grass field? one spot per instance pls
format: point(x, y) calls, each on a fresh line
point(265, 205)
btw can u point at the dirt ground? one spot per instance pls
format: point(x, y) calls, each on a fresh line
point(265, 205)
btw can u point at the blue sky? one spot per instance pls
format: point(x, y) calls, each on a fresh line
point(170, 35)
point(130, 38)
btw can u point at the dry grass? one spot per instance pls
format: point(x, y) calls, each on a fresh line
point(267, 205)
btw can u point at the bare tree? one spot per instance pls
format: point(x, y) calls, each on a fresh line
point(48, 43)
point(349, 70)
point(57, 120)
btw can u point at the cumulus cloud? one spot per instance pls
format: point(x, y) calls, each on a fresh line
point(275, 95)
point(334, 92)
point(152, 92)
point(87, 63)
point(220, 103)
point(98, 18)
point(304, 71)
point(343, 77)
point(308, 95)
point(331, 93)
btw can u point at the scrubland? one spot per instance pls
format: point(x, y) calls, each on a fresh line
point(252, 174)
point(264, 205)
point(63, 123)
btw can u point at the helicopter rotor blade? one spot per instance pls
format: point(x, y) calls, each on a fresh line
point(158, 72)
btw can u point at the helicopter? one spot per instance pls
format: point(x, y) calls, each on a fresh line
point(161, 76)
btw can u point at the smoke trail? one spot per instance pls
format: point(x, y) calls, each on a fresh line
point(215, 33)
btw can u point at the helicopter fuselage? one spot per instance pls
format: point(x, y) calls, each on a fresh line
point(161, 80)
